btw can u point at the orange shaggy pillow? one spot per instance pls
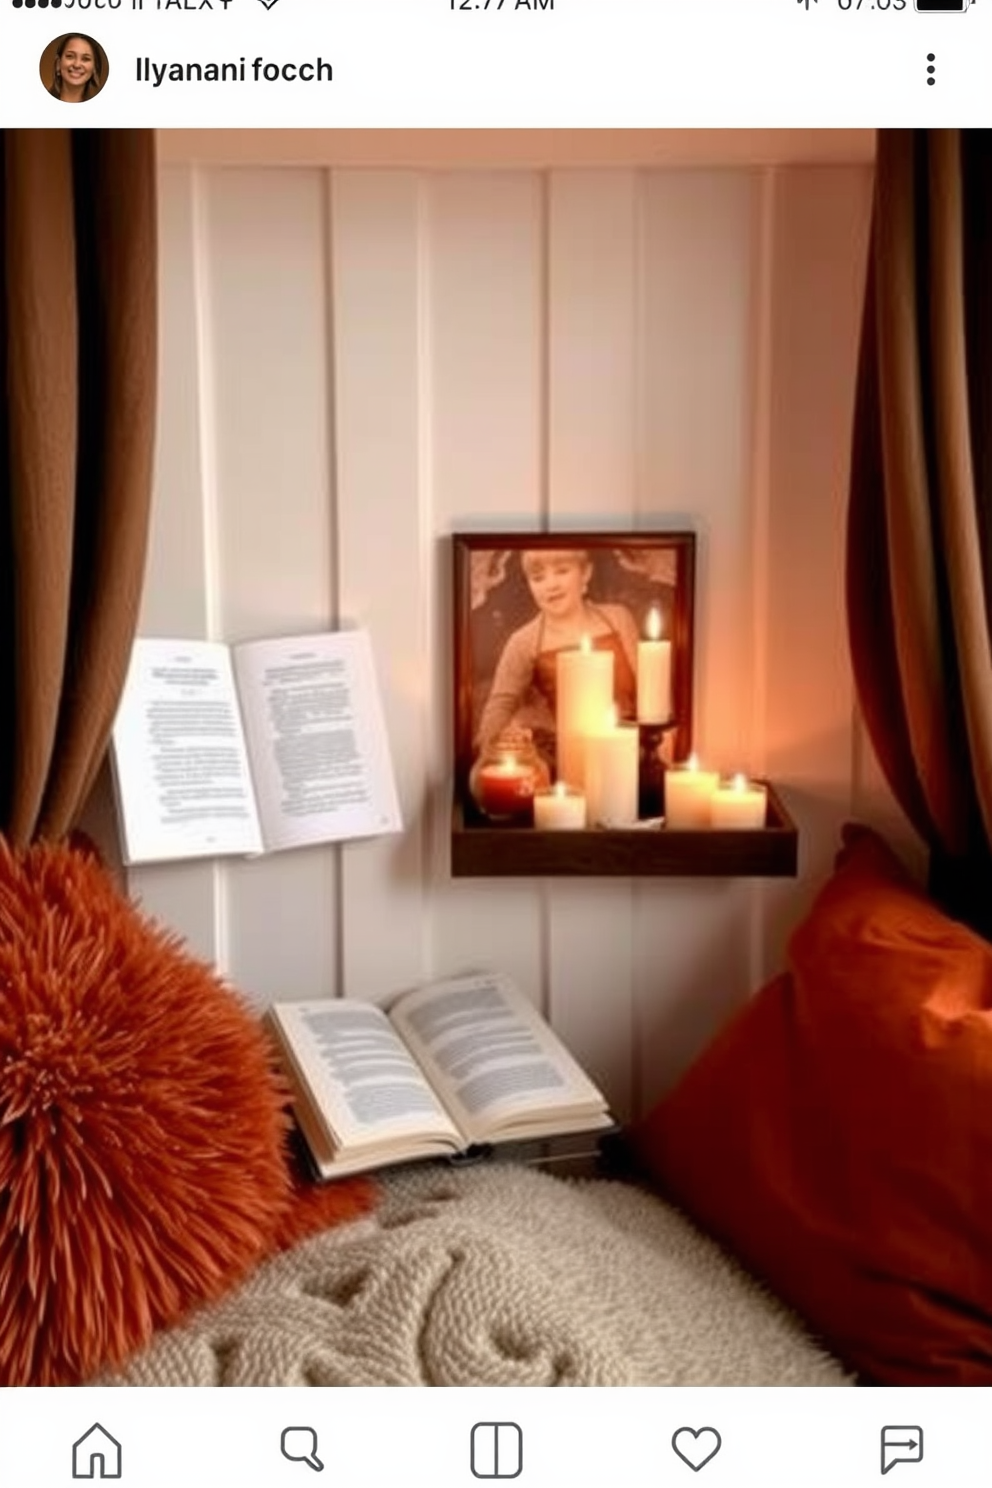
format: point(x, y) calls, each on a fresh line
point(143, 1135)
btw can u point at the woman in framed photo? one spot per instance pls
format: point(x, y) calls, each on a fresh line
point(522, 601)
point(523, 687)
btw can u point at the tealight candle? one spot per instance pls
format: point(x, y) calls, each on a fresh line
point(612, 757)
point(688, 790)
point(739, 804)
point(654, 673)
point(584, 693)
point(560, 809)
point(505, 787)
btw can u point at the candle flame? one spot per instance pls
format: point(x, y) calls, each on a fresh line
point(653, 624)
point(612, 717)
point(509, 762)
point(585, 644)
point(692, 763)
point(739, 783)
point(561, 789)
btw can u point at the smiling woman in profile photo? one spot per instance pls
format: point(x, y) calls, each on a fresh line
point(78, 68)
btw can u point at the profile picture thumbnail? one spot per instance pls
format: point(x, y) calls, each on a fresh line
point(74, 67)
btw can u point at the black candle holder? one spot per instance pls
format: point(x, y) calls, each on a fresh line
point(651, 768)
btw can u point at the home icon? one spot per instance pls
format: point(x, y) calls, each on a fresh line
point(96, 1454)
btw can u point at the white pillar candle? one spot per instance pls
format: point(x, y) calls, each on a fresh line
point(585, 694)
point(739, 804)
point(560, 809)
point(654, 674)
point(612, 756)
point(688, 790)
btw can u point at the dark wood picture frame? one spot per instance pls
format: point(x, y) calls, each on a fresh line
point(493, 600)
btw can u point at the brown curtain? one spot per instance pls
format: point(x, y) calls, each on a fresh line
point(78, 362)
point(919, 559)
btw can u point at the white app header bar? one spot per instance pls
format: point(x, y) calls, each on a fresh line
point(509, 63)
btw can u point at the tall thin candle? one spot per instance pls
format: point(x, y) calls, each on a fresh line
point(654, 673)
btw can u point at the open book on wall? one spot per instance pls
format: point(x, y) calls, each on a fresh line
point(459, 1064)
point(250, 748)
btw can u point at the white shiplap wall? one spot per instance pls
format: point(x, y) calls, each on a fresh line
point(357, 362)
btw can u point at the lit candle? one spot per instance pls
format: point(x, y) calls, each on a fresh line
point(612, 754)
point(584, 692)
point(559, 809)
point(505, 787)
point(688, 790)
point(739, 804)
point(654, 673)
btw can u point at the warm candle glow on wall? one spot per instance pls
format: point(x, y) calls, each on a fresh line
point(654, 673)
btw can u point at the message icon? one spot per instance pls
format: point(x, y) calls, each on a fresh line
point(901, 1444)
point(299, 1444)
point(695, 1446)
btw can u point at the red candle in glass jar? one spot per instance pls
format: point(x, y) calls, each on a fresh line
point(506, 787)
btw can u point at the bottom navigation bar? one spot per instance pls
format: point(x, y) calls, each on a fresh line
point(774, 1438)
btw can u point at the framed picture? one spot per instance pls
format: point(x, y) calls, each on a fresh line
point(530, 610)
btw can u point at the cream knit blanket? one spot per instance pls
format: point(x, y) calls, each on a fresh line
point(495, 1275)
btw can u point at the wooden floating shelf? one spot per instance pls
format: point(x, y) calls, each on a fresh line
point(484, 849)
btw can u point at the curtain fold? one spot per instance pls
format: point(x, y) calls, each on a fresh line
point(920, 511)
point(78, 348)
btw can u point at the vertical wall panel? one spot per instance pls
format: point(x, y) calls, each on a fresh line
point(695, 363)
point(592, 288)
point(271, 399)
point(385, 551)
point(485, 316)
point(269, 322)
point(820, 244)
point(696, 323)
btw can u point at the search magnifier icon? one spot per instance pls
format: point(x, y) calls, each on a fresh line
point(299, 1444)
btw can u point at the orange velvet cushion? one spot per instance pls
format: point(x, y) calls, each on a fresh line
point(143, 1135)
point(838, 1134)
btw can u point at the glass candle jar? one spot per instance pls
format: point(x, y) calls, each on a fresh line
point(507, 774)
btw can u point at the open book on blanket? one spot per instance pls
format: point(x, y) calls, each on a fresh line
point(448, 1068)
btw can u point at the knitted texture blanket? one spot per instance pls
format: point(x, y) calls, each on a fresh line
point(495, 1275)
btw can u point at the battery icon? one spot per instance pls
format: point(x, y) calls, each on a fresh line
point(942, 7)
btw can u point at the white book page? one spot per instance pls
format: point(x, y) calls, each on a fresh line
point(178, 754)
point(490, 1054)
point(317, 739)
point(361, 1078)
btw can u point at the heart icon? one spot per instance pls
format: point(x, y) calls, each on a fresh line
point(696, 1447)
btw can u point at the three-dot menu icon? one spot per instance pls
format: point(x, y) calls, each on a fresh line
point(497, 1449)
